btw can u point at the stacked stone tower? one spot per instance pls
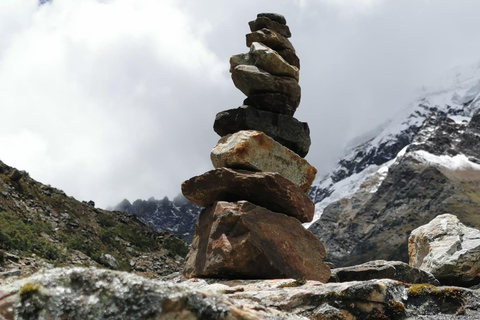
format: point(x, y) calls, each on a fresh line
point(255, 199)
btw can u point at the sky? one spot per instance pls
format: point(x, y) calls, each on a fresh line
point(114, 99)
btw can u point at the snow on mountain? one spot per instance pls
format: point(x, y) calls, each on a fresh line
point(457, 95)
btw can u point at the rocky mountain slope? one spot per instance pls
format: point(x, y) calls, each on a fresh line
point(457, 96)
point(384, 194)
point(176, 217)
point(40, 226)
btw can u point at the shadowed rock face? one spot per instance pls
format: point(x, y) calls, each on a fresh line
point(266, 189)
point(241, 240)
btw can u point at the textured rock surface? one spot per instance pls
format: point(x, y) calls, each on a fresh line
point(284, 129)
point(269, 38)
point(264, 22)
point(252, 80)
point(253, 150)
point(381, 269)
point(448, 249)
point(290, 56)
point(274, 102)
point(266, 189)
point(80, 293)
point(266, 59)
point(241, 240)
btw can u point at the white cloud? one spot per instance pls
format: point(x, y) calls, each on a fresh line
point(106, 89)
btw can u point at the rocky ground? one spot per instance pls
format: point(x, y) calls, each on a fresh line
point(80, 293)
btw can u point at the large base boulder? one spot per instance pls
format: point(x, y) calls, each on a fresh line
point(253, 150)
point(244, 241)
point(284, 129)
point(448, 249)
point(266, 189)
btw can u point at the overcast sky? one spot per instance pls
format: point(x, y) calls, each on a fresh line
point(114, 99)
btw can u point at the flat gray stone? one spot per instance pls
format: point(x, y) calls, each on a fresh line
point(284, 129)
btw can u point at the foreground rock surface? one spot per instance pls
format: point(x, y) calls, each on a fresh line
point(244, 241)
point(381, 269)
point(253, 150)
point(266, 189)
point(284, 129)
point(448, 249)
point(79, 293)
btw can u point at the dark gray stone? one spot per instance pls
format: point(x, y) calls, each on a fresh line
point(274, 102)
point(381, 269)
point(286, 130)
point(264, 22)
point(273, 16)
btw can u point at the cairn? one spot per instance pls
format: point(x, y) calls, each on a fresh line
point(255, 199)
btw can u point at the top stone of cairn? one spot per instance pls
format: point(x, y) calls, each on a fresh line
point(273, 16)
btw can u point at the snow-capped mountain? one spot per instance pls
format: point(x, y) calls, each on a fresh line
point(457, 95)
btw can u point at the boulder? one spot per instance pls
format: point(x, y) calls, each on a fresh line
point(253, 80)
point(264, 22)
point(266, 59)
point(243, 241)
point(274, 102)
point(269, 38)
point(448, 249)
point(273, 16)
point(284, 129)
point(381, 269)
point(266, 189)
point(253, 150)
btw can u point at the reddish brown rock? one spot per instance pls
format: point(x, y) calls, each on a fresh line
point(244, 241)
point(264, 22)
point(266, 189)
